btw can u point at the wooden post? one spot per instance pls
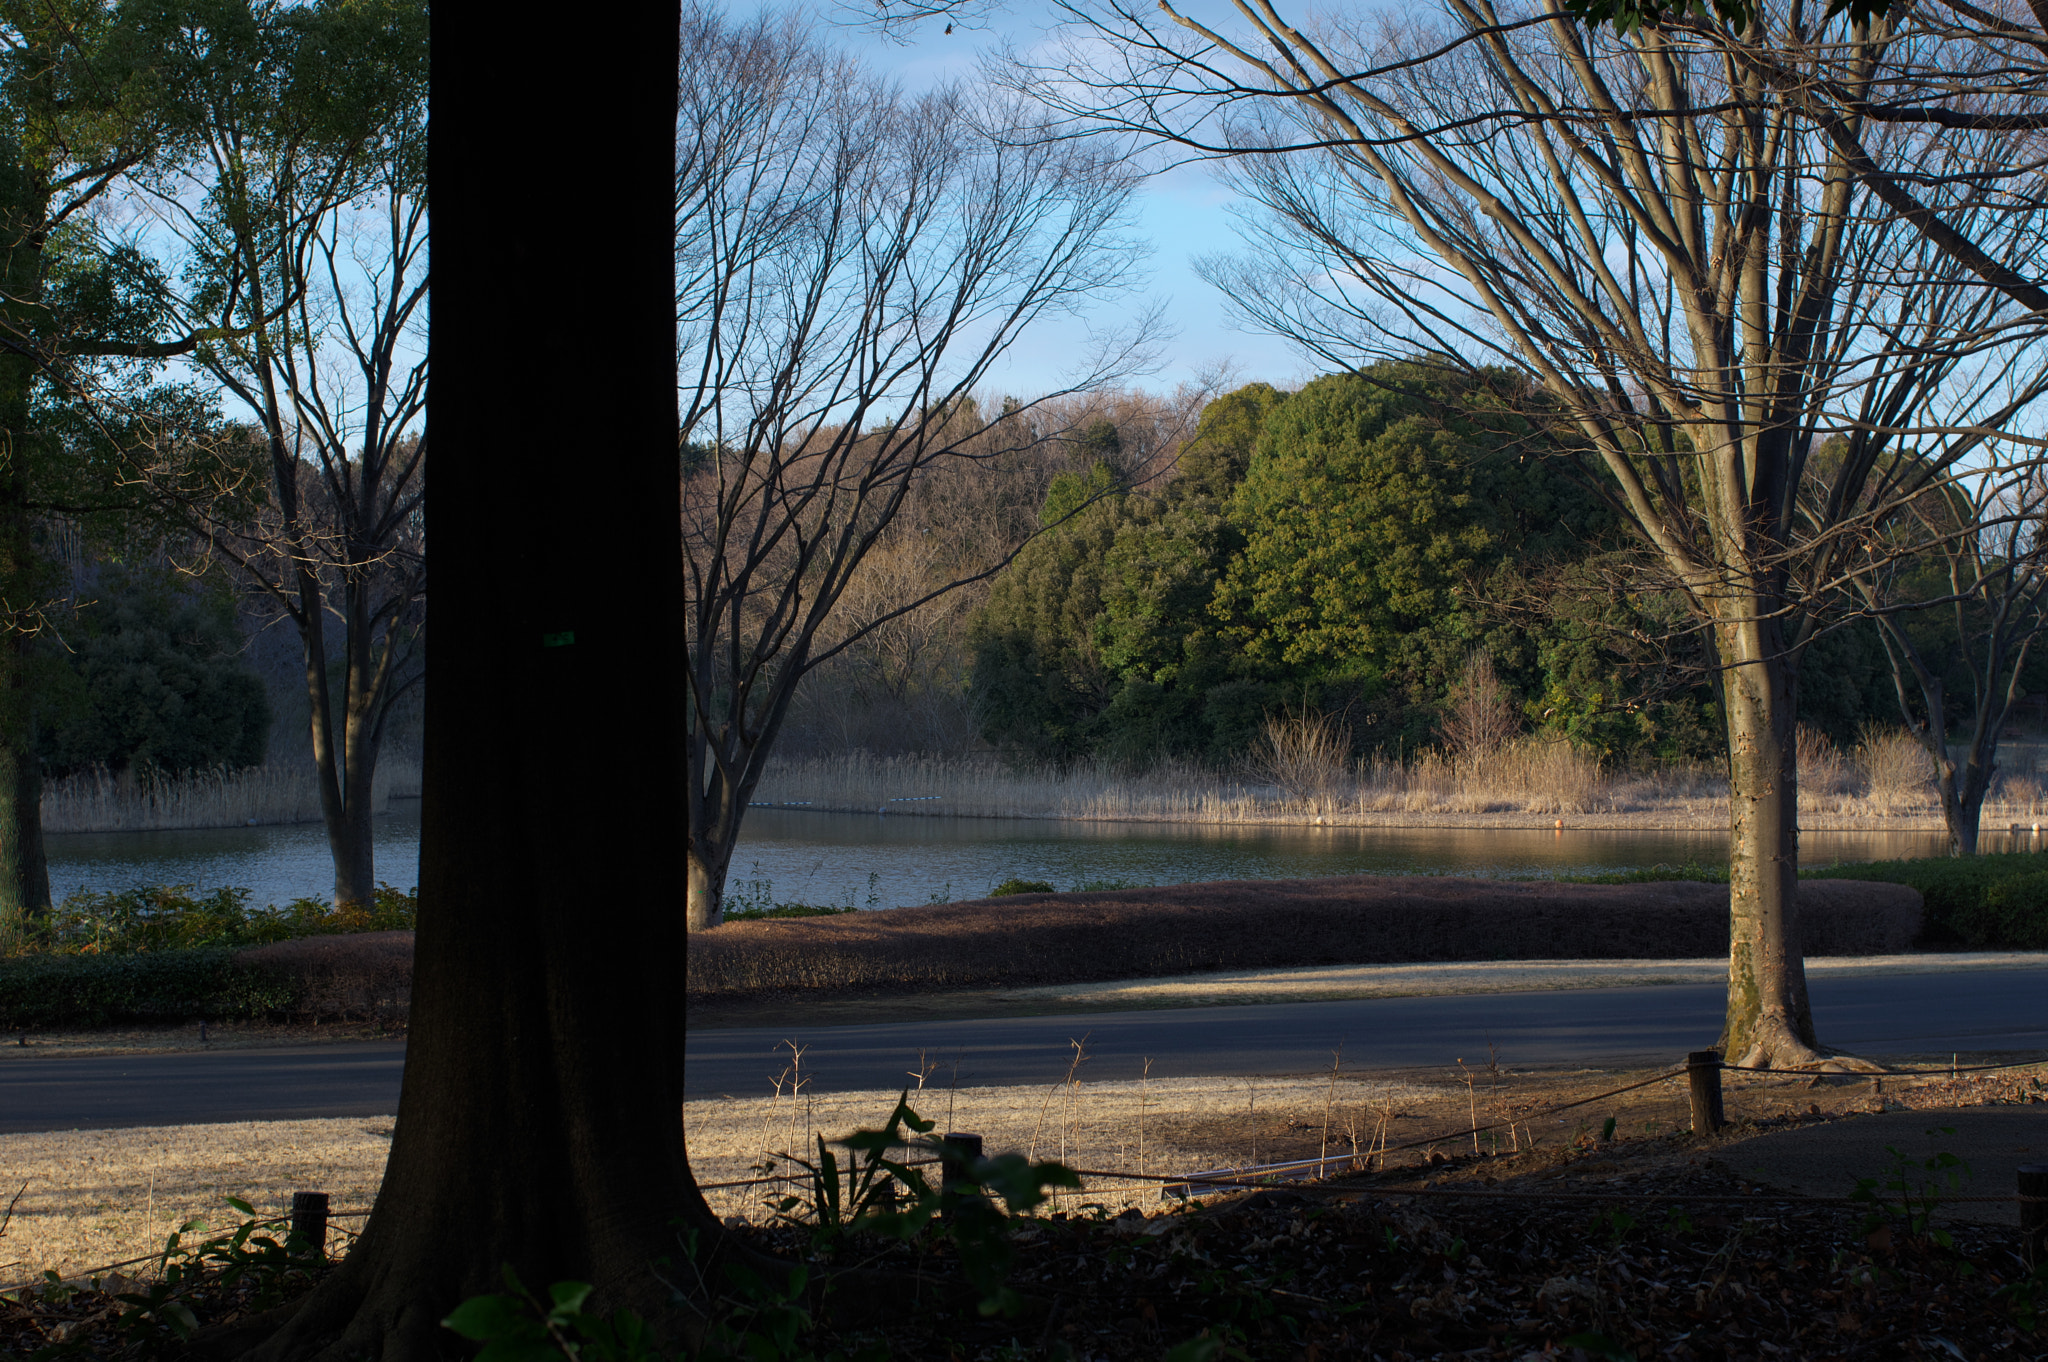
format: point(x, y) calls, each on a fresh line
point(2034, 1214)
point(309, 1221)
point(968, 1147)
point(1703, 1072)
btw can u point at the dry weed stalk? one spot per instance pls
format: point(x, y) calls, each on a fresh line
point(1330, 1099)
point(1059, 1088)
point(1144, 1097)
point(1471, 1102)
point(794, 1076)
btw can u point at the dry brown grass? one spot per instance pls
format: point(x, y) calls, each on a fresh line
point(96, 1197)
point(100, 801)
point(1032, 939)
point(1295, 778)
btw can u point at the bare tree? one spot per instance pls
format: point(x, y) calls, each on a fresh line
point(1971, 575)
point(1969, 77)
point(1481, 719)
point(311, 257)
point(903, 684)
point(1661, 242)
point(851, 262)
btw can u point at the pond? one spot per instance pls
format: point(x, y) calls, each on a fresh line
point(876, 861)
point(276, 863)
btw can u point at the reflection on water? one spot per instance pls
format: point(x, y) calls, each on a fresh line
point(869, 860)
point(277, 864)
point(878, 861)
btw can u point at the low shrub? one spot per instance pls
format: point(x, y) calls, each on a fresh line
point(177, 917)
point(366, 976)
point(1959, 890)
point(1009, 887)
point(43, 992)
point(362, 977)
point(1264, 924)
point(1984, 902)
point(2014, 914)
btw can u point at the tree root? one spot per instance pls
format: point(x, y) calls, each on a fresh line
point(1775, 1045)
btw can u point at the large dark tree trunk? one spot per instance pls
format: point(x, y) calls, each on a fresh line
point(24, 569)
point(540, 1123)
point(24, 868)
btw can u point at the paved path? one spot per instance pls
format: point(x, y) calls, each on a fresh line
point(1882, 1015)
point(100, 1092)
point(1885, 1015)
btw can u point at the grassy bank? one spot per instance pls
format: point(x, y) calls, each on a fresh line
point(1882, 786)
point(100, 801)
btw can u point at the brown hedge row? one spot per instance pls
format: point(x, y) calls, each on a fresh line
point(363, 976)
point(1010, 942)
point(1184, 929)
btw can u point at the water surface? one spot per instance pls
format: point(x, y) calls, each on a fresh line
point(876, 861)
point(276, 863)
point(885, 861)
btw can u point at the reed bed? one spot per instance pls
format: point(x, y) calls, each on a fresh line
point(103, 801)
point(1884, 780)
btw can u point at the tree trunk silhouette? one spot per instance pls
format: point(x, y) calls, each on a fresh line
point(540, 1122)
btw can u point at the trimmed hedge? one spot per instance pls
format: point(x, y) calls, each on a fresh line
point(362, 977)
point(42, 992)
point(1983, 902)
point(1027, 939)
point(1994, 902)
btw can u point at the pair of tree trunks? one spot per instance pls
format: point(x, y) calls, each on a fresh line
point(540, 1124)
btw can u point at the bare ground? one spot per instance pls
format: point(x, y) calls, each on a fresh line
point(97, 1197)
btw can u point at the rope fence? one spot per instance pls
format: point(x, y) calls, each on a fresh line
point(1703, 1069)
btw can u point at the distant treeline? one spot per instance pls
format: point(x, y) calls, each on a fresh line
point(1421, 565)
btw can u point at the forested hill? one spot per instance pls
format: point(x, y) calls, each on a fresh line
point(1380, 548)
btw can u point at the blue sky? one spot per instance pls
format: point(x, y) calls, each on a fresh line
point(1182, 212)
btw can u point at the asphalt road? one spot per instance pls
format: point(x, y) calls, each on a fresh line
point(1883, 1015)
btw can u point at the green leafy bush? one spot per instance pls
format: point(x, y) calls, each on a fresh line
point(43, 992)
point(2014, 914)
point(1008, 887)
point(177, 917)
point(1961, 910)
point(1986, 902)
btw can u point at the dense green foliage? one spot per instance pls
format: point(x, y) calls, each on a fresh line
point(1983, 902)
point(154, 680)
point(1345, 549)
point(176, 918)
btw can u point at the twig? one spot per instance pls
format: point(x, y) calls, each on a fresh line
point(7, 1219)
